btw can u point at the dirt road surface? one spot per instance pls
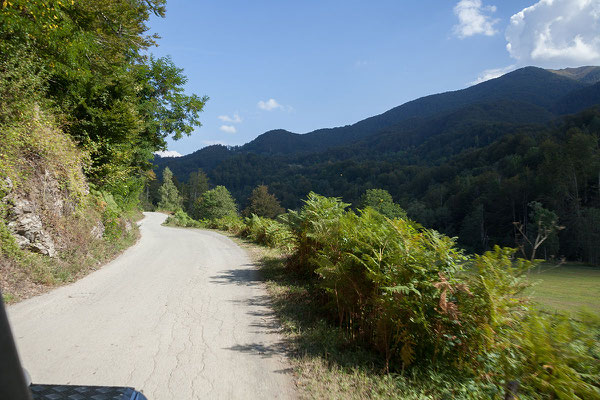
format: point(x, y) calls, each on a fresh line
point(181, 315)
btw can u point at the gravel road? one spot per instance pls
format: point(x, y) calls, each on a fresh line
point(180, 315)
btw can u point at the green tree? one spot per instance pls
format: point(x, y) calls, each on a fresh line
point(544, 224)
point(198, 183)
point(473, 230)
point(170, 199)
point(215, 203)
point(381, 201)
point(119, 104)
point(263, 203)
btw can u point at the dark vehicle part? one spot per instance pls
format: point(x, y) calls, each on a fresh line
point(68, 392)
point(13, 385)
point(12, 378)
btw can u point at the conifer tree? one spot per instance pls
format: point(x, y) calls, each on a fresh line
point(197, 185)
point(170, 199)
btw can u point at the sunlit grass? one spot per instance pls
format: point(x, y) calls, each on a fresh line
point(566, 288)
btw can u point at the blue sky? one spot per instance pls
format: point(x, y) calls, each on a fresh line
point(304, 65)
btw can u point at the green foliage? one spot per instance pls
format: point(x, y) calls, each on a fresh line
point(263, 203)
point(231, 223)
point(197, 184)
point(381, 201)
point(472, 180)
point(87, 60)
point(8, 245)
point(544, 225)
point(558, 356)
point(169, 195)
point(268, 232)
point(111, 213)
point(410, 294)
point(216, 203)
point(312, 228)
point(180, 218)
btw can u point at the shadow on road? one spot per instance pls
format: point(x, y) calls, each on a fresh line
point(245, 275)
point(259, 307)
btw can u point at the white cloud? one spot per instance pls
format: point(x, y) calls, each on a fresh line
point(492, 74)
point(234, 120)
point(167, 153)
point(556, 33)
point(269, 105)
point(228, 128)
point(474, 19)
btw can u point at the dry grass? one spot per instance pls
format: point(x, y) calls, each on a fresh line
point(34, 274)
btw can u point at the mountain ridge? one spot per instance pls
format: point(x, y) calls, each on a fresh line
point(527, 95)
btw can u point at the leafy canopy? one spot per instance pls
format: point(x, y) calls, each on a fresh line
point(216, 203)
point(263, 203)
point(381, 201)
point(116, 102)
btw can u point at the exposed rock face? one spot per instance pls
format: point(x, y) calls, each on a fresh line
point(28, 229)
point(98, 230)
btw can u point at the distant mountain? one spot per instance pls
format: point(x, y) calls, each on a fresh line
point(467, 163)
point(526, 96)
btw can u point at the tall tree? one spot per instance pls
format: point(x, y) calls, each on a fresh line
point(215, 203)
point(198, 183)
point(263, 203)
point(381, 201)
point(170, 199)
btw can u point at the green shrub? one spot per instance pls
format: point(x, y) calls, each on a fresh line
point(180, 218)
point(412, 295)
point(269, 232)
point(312, 228)
point(230, 223)
point(381, 201)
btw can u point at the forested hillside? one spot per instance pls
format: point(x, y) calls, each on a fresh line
point(83, 107)
point(467, 163)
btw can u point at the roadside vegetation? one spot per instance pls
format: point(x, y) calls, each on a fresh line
point(381, 307)
point(83, 108)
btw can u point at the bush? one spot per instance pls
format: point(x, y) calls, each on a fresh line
point(312, 228)
point(180, 218)
point(269, 232)
point(230, 223)
point(412, 295)
point(381, 201)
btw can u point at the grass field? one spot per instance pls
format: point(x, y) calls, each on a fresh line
point(568, 287)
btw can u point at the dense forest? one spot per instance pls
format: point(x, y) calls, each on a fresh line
point(467, 163)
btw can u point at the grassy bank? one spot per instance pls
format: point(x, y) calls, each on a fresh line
point(28, 274)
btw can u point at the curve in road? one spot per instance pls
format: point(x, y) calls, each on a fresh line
point(183, 314)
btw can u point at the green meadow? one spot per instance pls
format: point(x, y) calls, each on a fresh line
point(566, 288)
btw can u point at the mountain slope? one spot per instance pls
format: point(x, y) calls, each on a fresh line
point(530, 85)
point(461, 119)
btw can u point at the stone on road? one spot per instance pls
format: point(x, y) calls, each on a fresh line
point(180, 315)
